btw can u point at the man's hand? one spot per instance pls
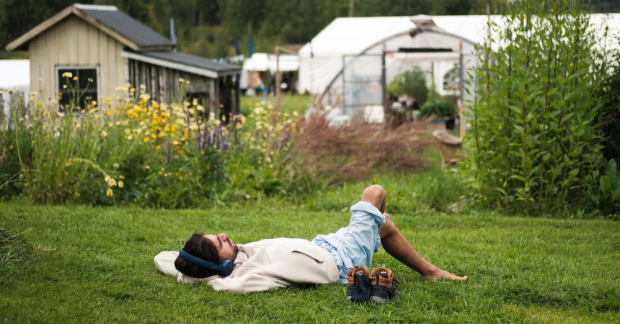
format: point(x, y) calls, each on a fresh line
point(440, 274)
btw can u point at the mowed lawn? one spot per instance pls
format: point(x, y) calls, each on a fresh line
point(84, 264)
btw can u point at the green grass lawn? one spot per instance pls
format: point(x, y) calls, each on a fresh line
point(84, 264)
point(289, 103)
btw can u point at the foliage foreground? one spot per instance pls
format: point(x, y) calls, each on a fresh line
point(84, 264)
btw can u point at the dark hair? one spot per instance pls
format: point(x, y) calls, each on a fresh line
point(199, 246)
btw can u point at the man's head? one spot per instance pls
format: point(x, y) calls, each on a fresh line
point(212, 248)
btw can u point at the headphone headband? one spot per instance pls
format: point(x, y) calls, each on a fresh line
point(224, 268)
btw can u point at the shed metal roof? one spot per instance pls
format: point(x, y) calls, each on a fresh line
point(126, 26)
point(184, 62)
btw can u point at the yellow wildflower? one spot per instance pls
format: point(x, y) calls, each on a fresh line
point(67, 75)
point(109, 193)
point(115, 165)
point(120, 184)
point(112, 182)
point(146, 140)
point(122, 177)
point(104, 134)
point(147, 166)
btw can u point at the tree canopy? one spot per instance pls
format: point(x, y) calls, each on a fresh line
point(210, 27)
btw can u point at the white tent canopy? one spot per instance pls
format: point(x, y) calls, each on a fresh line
point(14, 75)
point(261, 62)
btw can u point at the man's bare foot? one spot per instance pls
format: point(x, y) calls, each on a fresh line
point(440, 274)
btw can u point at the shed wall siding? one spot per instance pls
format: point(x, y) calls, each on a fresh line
point(75, 42)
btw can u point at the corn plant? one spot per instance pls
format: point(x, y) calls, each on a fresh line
point(534, 144)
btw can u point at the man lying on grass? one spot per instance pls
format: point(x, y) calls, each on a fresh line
point(283, 262)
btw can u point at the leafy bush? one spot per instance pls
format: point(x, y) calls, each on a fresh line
point(610, 189)
point(411, 83)
point(609, 115)
point(438, 109)
point(533, 147)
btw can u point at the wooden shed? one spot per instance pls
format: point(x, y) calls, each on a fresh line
point(106, 48)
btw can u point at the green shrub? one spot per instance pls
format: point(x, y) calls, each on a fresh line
point(411, 83)
point(437, 108)
point(609, 115)
point(607, 198)
point(533, 147)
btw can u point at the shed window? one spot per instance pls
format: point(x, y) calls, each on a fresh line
point(80, 89)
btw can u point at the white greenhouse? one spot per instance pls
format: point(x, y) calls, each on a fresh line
point(350, 62)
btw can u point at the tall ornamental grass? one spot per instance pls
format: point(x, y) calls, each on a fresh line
point(534, 146)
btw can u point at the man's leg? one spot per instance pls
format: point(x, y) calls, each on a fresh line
point(397, 245)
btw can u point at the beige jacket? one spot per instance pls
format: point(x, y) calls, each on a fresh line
point(265, 264)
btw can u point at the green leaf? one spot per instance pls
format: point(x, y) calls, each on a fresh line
point(605, 184)
point(615, 195)
point(519, 129)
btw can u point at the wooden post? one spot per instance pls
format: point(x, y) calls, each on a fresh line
point(277, 78)
point(463, 121)
point(213, 102)
point(217, 98)
point(237, 109)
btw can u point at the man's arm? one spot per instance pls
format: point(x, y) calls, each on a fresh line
point(248, 283)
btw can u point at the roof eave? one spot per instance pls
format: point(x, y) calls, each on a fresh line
point(22, 41)
point(178, 66)
point(161, 48)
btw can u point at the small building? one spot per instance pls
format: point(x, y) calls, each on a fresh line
point(106, 48)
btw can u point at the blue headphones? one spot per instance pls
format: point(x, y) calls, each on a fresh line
point(225, 267)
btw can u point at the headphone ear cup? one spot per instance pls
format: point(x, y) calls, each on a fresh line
point(226, 267)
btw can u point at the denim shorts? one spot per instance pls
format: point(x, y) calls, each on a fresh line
point(355, 244)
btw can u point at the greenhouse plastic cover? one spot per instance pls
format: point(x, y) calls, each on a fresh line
point(322, 60)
